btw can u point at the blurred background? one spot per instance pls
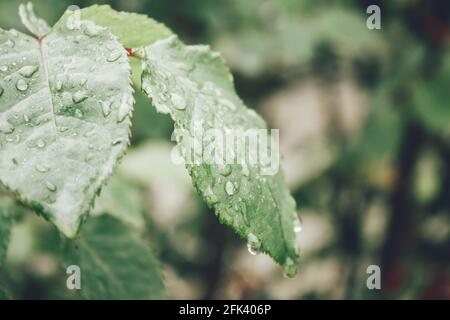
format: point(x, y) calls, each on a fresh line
point(364, 119)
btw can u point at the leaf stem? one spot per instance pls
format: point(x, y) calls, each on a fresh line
point(132, 53)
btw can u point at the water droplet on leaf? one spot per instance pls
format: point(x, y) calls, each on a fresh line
point(21, 85)
point(114, 56)
point(28, 71)
point(253, 244)
point(229, 188)
point(10, 43)
point(50, 186)
point(124, 109)
point(78, 113)
point(117, 141)
point(178, 101)
point(106, 108)
point(225, 170)
point(228, 104)
point(40, 143)
point(90, 30)
point(41, 168)
point(6, 127)
point(289, 268)
point(90, 133)
point(298, 226)
point(79, 96)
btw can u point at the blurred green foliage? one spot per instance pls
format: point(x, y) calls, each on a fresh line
point(383, 198)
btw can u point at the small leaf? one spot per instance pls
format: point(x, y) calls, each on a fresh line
point(114, 263)
point(57, 145)
point(193, 85)
point(35, 25)
point(131, 29)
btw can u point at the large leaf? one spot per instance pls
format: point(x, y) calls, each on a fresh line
point(65, 102)
point(114, 263)
point(193, 85)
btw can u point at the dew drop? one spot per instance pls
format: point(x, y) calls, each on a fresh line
point(40, 143)
point(6, 128)
point(10, 43)
point(28, 71)
point(178, 101)
point(114, 56)
point(253, 244)
point(225, 170)
point(79, 96)
point(4, 68)
point(106, 108)
point(289, 268)
point(228, 104)
point(117, 141)
point(210, 196)
point(41, 168)
point(124, 110)
point(59, 81)
point(21, 85)
point(90, 133)
point(229, 188)
point(78, 113)
point(58, 85)
point(72, 23)
point(83, 81)
point(298, 225)
point(26, 118)
point(50, 186)
point(90, 30)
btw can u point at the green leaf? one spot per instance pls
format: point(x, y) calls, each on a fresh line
point(131, 29)
point(114, 263)
point(121, 199)
point(194, 86)
point(34, 24)
point(65, 108)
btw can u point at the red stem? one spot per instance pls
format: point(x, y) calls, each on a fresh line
point(133, 53)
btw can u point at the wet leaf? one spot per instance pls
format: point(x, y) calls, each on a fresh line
point(194, 86)
point(57, 145)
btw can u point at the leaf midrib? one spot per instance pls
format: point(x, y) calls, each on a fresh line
point(43, 56)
